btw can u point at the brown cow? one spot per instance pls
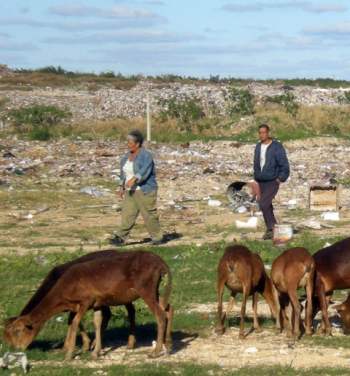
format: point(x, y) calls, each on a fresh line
point(294, 268)
point(332, 273)
point(242, 271)
point(52, 278)
point(117, 280)
point(344, 312)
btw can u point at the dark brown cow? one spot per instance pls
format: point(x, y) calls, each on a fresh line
point(294, 268)
point(242, 271)
point(106, 281)
point(332, 273)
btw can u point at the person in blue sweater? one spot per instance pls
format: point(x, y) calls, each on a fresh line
point(271, 168)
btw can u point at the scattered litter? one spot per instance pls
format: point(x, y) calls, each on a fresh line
point(12, 360)
point(292, 204)
point(29, 215)
point(330, 216)
point(252, 223)
point(59, 319)
point(240, 195)
point(312, 224)
point(251, 350)
point(242, 210)
point(214, 203)
point(93, 191)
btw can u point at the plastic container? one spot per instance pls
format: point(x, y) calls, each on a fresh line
point(282, 234)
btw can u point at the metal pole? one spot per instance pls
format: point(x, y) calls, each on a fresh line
point(148, 118)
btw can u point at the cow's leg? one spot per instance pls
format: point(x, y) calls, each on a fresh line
point(153, 304)
point(284, 320)
point(220, 326)
point(169, 325)
point(73, 331)
point(70, 319)
point(106, 315)
point(292, 293)
point(85, 338)
point(256, 325)
point(131, 317)
point(98, 340)
point(246, 290)
point(326, 325)
point(308, 313)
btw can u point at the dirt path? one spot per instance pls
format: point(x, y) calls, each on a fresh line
point(227, 351)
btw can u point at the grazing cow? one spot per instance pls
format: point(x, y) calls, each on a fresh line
point(332, 273)
point(294, 268)
point(344, 311)
point(105, 281)
point(242, 271)
point(53, 277)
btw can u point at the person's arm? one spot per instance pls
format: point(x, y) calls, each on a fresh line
point(283, 165)
point(146, 169)
point(122, 179)
point(256, 162)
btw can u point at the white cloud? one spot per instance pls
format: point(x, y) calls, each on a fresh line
point(306, 6)
point(136, 36)
point(115, 12)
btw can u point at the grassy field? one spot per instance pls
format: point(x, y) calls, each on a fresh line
point(194, 276)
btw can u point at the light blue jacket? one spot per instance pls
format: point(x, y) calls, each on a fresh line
point(144, 170)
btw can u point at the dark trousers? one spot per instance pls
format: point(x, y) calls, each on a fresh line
point(268, 190)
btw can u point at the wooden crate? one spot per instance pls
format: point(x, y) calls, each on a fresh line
point(324, 198)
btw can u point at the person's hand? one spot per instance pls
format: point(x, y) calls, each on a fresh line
point(121, 192)
point(278, 181)
point(130, 183)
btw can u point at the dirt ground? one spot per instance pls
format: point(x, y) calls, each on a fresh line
point(258, 349)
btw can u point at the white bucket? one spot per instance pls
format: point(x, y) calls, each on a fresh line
point(282, 234)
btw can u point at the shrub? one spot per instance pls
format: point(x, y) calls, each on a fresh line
point(287, 101)
point(240, 102)
point(38, 120)
point(345, 98)
point(186, 111)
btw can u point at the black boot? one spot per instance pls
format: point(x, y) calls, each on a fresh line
point(117, 240)
point(268, 235)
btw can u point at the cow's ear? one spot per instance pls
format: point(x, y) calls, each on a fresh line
point(339, 307)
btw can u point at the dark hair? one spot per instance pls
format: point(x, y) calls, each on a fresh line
point(137, 136)
point(264, 126)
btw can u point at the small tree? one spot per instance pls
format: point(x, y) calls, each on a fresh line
point(240, 102)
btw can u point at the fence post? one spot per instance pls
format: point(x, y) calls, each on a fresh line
point(148, 110)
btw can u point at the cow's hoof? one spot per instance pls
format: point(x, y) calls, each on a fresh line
point(68, 357)
point(220, 330)
point(258, 330)
point(155, 354)
point(131, 344)
point(242, 336)
point(94, 355)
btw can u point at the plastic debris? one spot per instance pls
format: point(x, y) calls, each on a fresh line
point(252, 223)
point(330, 216)
point(11, 360)
point(214, 203)
point(93, 191)
point(251, 350)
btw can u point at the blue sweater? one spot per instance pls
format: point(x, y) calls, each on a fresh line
point(144, 170)
point(276, 163)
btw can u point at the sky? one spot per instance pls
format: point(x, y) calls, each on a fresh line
point(231, 38)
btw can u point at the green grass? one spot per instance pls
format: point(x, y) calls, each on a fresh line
point(185, 369)
point(194, 280)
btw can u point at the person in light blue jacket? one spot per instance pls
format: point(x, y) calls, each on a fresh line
point(138, 189)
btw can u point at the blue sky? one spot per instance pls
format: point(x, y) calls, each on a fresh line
point(257, 39)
